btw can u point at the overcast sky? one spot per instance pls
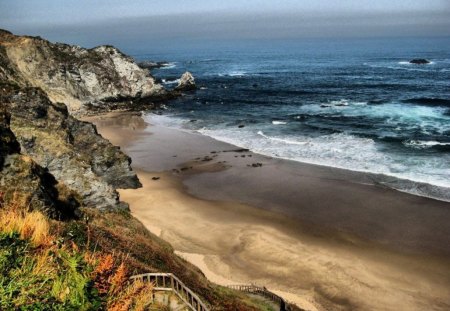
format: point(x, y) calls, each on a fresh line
point(92, 22)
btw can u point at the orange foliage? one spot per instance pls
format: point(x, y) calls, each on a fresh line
point(107, 278)
point(118, 279)
point(136, 295)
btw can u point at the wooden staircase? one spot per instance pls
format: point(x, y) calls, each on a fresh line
point(167, 282)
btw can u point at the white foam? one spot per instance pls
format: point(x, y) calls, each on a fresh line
point(409, 63)
point(168, 82)
point(342, 102)
point(168, 66)
point(286, 141)
point(338, 150)
point(279, 122)
point(421, 144)
point(408, 68)
point(233, 73)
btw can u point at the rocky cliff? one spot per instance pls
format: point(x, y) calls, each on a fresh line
point(25, 182)
point(71, 150)
point(42, 86)
point(74, 75)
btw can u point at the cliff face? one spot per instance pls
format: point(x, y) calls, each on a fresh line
point(74, 75)
point(72, 151)
point(42, 84)
point(25, 182)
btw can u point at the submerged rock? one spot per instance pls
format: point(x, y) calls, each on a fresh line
point(187, 82)
point(419, 61)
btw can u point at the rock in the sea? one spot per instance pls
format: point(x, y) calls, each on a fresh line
point(419, 61)
point(187, 82)
point(152, 65)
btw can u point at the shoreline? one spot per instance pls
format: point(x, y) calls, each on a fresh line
point(317, 262)
point(391, 181)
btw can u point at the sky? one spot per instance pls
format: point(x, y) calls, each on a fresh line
point(127, 23)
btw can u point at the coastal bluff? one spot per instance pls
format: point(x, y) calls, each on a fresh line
point(76, 76)
point(45, 86)
point(79, 159)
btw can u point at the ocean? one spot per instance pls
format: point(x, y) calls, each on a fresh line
point(356, 104)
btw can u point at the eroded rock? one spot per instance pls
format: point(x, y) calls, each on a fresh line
point(70, 149)
point(72, 74)
point(187, 82)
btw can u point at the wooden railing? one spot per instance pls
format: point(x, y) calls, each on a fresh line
point(169, 282)
point(262, 291)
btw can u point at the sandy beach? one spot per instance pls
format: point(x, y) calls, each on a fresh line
point(325, 238)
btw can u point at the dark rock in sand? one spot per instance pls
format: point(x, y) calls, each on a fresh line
point(156, 178)
point(419, 61)
point(257, 164)
point(237, 150)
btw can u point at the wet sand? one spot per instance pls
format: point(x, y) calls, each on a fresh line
point(326, 238)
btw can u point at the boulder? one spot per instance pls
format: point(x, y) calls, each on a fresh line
point(419, 61)
point(187, 82)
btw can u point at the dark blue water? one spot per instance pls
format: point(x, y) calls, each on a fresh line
point(354, 104)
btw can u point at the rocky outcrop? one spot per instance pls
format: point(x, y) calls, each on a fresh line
point(419, 61)
point(8, 142)
point(25, 183)
point(36, 76)
point(187, 82)
point(71, 150)
point(152, 65)
point(74, 75)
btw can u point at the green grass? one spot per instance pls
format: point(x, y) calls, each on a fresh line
point(63, 284)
